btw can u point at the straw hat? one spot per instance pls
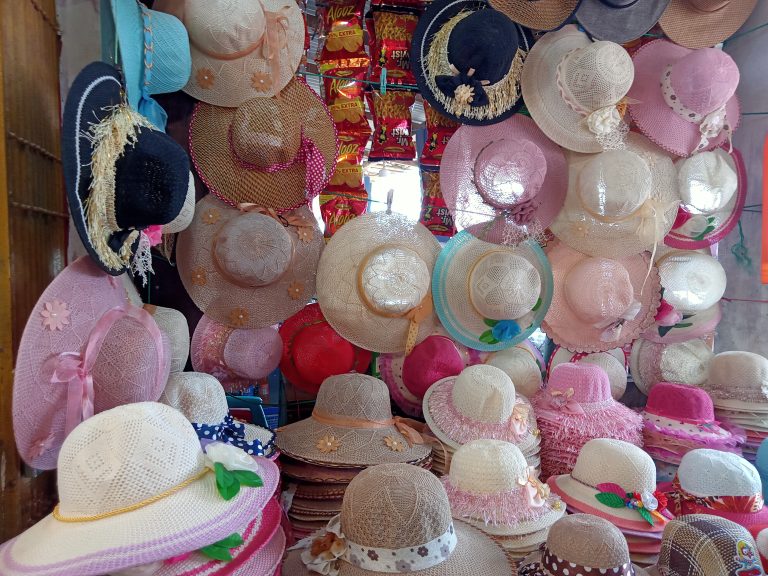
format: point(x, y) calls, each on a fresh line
point(702, 23)
point(235, 283)
point(274, 152)
point(739, 380)
point(697, 325)
point(184, 218)
point(396, 518)
point(313, 351)
point(138, 465)
point(692, 282)
point(491, 485)
point(613, 362)
point(609, 466)
point(235, 354)
point(599, 303)
point(173, 325)
point(684, 100)
point(507, 180)
point(578, 114)
point(684, 362)
point(542, 15)
point(713, 189)
point(373, 282)
point(490, 297)
point(619, 21)
point(241, 50)
point(524, 364)
point(84, 350)
point(467, 59)
point(619, 202)
point(351, 425)
point(586, 545)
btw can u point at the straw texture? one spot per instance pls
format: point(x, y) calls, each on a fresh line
point(173, 324)
point(619, 21)
point(612, 361)
point(738, 380)
point(541, 15)
point(522, 366)
point(702, 23)
point(686, 362)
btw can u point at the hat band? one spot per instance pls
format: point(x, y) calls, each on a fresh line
point(563, 567)
point(413, 431)
point(231, 432)
point(683, 420)
point(735, 504)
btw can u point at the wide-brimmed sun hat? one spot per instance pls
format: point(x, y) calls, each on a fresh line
point(396, 518)
point(248, 269)
point(173, 325)
point(273, 152)
point(599, 303)
point(613, 361)
point(682, 99)
point(84, 350)
point(504, 182)
point(673, 327)
point(619, 202)
point(374, 282)
point(467, 59)
point(184, 218)
point(684, 362)
point(539, 15)
point(490, 296)
point(702, 23)
point(574, 88)
point(738, 380)
point(137, 465)
point(619, 21)
point(524, 364)
point(692, 281)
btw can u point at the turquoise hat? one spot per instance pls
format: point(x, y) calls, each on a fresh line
point(761, 463)
point(152, 50)
point(489, 296)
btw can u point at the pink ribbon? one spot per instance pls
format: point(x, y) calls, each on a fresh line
point(536, 492)
point(562, 401)
point(275, 39)
point(522, 213)
point(154, 234)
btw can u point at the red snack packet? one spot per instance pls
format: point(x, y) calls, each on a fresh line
point(415, 4)
point(434, 213)
point(391, 45)
point(344, 96)
point(345, 197)
point(391, 125)
point(338, 209)
point(439, 131)
point(343, 22)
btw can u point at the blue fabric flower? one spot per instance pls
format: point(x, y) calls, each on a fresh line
point(505, 330)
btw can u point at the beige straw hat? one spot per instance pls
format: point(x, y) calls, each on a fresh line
point(738, 380)
point(247, 269)
point(619, 202)
point(692, 281)
point(352, 425)
point(521, 365)
point(373, 282)
point(184, 218)
point(684, 362)
point(538, 15)
point(704, 23)
point(173, 324)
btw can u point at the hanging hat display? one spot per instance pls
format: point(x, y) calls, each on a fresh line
point(654, 362)
point(702, 23)
point(539, 15)
point(619, 21)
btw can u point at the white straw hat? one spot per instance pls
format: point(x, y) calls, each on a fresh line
point(684, 362)
point(692, 281)
point(739, 381)
point(174, 325)
point(522, 365)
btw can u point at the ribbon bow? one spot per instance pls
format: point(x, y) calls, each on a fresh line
point(711, 126)
point(275, 39)
point(416, 432)
point(536, 492)
point(322, 552)
point(612, 327)
point(416, 316)
point(562, 401)
point(519, 420)
point(464, 88)
point(522, 213)
point(231, 432)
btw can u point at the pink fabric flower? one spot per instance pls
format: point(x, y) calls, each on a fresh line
point(666, 315)
point(155, 234)
point(55, 315)
point(682, 217)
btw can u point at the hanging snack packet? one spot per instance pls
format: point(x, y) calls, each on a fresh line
point(434, 213)
point(439, 131)
point(343, 22)
point(344, 96)
point(391, 125)
point(393, 31)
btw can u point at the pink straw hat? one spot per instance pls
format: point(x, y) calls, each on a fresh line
point(683, 99)
point(613, 361)
point(234, 354)
point(506, 179)
point(84, 350)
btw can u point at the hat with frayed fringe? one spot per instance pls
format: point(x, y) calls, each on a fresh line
point(613, 361)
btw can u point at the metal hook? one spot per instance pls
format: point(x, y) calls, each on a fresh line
point(390, 197)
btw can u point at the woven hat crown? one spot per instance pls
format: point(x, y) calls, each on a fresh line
point(393, 280)
point(266, 131)
point(704, 80)
point(589, 382)
point(224, 27)
point(395, 506)
point(508, 173)
point(588, 540)
point(692, 281)
point(685, 362)
point(748, 369)
point(484, 393)
point(706, 472)
point(521, 367)
point(707, 181)
point(124, 456)
point(503, 285)
point(174, 325)
point(200, 397)
point(614, 184)
point(606, 460)
point(357, 396)
point(680, 401)
point(253, 353)
point(611, 292)
point(488, 467)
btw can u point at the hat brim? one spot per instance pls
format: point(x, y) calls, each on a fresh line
point(692, 28)
point(749, 407)
point(650, 112)
point(615, 365)
point(543, 15)
point(535, 560)
point(619, 25)
point(699, 325)
point(302, 471)
point(186, 520)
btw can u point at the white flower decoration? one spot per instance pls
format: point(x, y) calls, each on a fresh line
point(231, 457)
point(604, 120)
point(322, 551)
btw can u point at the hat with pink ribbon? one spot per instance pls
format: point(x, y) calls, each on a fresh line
point(84, 350)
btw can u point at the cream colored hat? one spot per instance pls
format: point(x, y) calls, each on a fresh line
point(692, 281)
point(685, 362)
point(739, 381)
point(184, 219)
point(612, 361)
point(521, 365)
point(373, 282)
point(174, 325)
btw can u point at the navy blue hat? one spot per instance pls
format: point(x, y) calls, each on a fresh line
point(121, 174)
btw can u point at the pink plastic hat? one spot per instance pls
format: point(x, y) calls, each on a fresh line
point(683, 99)
point(85, 349)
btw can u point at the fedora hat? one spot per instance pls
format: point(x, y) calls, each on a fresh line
point(738, 381)
point(613, 361)
point(255, 287)
point(524, 364)
point(702, 23)
point(683, 362)
point(619, 21)
point(539, 15)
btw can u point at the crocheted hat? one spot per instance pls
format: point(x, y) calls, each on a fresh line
point(686, 363)
point(173, 325)
point(739, 381)
point(692, 281)
point(540, 15)
point(523, 363)
point(613, 361)
point(702, 23)
point(619, 21)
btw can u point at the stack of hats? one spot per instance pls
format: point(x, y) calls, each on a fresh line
point(614, 362)
point(492, 487)
point(575, 407)
point(762, 464)
point(350, 429)
point(680, 418)
point(479, 403)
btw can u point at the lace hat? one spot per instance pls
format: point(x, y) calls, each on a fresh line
point(524, 365)
point(540, 15)
point(685, 362)
point(613, 362)
point(249, 269)
point(173, 325)
point(619, 21)
point(574, 89)
point(619, 202)
point(314, 351)
point(599, 303)
point(273, 152)
point(467, 59)
point(488, 296)
point(235, 354)
point(692, 281)
point(396, 518)
point(373, 282)
point(702, 23)
point(138, 465)
point(738, 380)
point(616, 481)
point(352, 425)
point(84, 350)
point(684, 100)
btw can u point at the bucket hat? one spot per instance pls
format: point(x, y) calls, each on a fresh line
point(619, 21)
point(684, 100)
point(83, 351)
point(524, 364)
point(173, 325)
point(373, 282)
point(738, 380)
point(543, 15)
point(702, 23)
point(613, 362)
point(252, 288)
point(685, 363)
point(467, 59)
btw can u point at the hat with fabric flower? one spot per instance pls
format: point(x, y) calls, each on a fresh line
point(673, 327)
point(613, 361)
point(139, 465)
point(702, 23)
point(685, 363)
point(85, 349)
point(599, 303)
point(684, 100)
point(396, 518)
point(524, 364)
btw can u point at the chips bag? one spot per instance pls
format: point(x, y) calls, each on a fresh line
point(391, 125)
point(338, 209)
point(434, 213)
point(344, 96)
point(391, 45)
point(343, 22)
point(439, 131)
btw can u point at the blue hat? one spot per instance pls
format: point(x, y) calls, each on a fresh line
point(761, 463)
point(151, 48)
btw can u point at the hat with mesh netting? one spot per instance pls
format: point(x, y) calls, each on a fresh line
point(619, 202)
point(84, 350)
point(273, 152)
point(135, 487)
point(619, 21)
point(539, 15)
point(600, 303)
point(396, 518)
point(249, 268)
point(703, 23)
point(738, 381)
point(685, 362)
point(613, 361)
